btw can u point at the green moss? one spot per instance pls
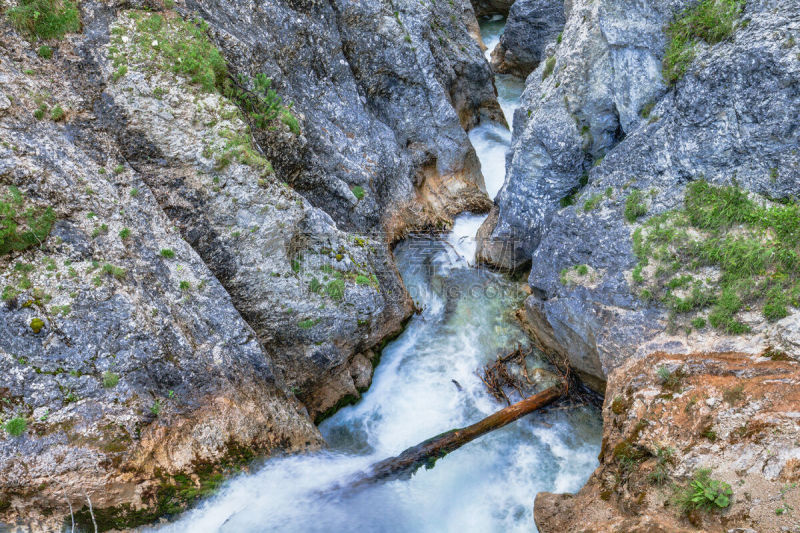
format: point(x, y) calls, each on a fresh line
point(16, 426)
point(22, 226)
point(549, 65)
point(167, 253)
point(36, 325)
point(45, 19)
point(708, 20)
point(357, 191)
point(592, 202)
point(45, 52)
point(308, 323)
point(57, 114)
point(110, 379)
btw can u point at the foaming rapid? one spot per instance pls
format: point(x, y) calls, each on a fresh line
point(425, 384)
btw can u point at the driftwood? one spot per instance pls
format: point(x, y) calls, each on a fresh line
point(499, 375)
point(428, 452)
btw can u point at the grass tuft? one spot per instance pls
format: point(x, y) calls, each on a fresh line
point(754, 247)
point(45, 19)
point(710, 21)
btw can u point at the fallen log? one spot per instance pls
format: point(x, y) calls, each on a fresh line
point(428, 452)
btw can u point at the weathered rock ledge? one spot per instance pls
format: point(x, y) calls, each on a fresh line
point(668, 417)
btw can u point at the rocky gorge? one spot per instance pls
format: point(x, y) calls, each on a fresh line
point(200, 203)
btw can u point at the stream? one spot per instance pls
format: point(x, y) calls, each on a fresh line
point(426, 384)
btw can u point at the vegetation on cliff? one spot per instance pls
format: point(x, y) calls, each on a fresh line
point(710, 21)
point(727, 251)
point(22, 225)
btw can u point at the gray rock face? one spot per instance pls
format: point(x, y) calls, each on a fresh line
point(577, 105)
point(277, 255)
point(187, 296)
point(140, 362)
point(485, 8)
point(530, 27)
point(729, 120)
point(385, 90)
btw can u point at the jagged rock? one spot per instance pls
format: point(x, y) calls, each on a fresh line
point(274, 252)
point(132, 378)
point(531, 26)
point(186, 296)
point(579, 103)
point(728, 119)
point(385, 90)
point(657, 435)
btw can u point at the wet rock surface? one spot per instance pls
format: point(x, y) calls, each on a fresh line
point(530, 27)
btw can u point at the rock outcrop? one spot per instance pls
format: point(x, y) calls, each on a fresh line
point(669, 420)
point(579, 103)
point(124, 360)
point(530, 27)
point(385, 91)
point(198, 290)
point(630, 198)
point(726, 121)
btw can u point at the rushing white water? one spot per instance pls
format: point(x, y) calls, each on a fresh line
point(424, 385)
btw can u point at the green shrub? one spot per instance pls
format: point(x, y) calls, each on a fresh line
point(260, 104)
point(314, 285)
point(40, 111)
point(57, 113)
point(124, 233)
point(168, 253)
point(357, 191)
point(635, 207)
point(20, 227)
point(709, 20)
point(582, 269)
point(703, 493)
point(110, 379)
point(549, 65)
point(16, 426)
point(664, 455)
point(45, 52)
point(184, 285)
point(362, 279)
point(155, 409)
point(592, 202)
point(335, 289)
point(308, 323)
point(115, 271)
point(670, 379)
point(699, 322)
point(290, 120)
point(45, 19)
